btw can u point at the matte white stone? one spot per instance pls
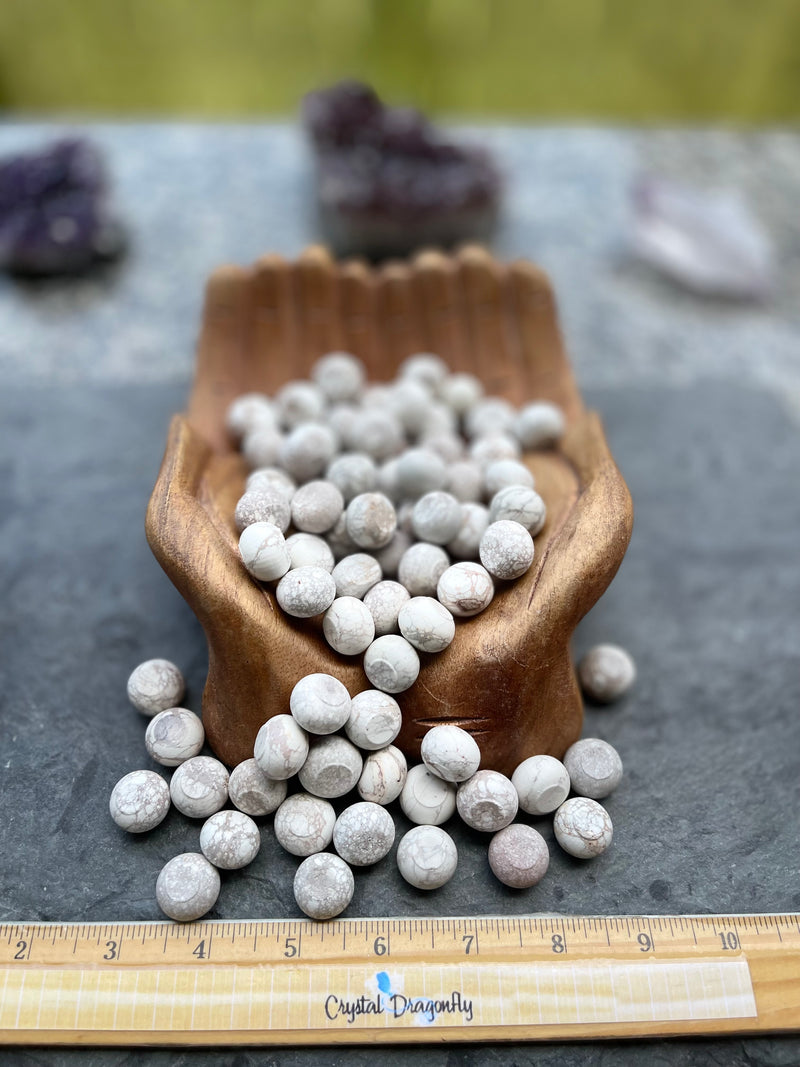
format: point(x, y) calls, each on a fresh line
point(230, 840)
point(261, 447)
point(504, 472)
point(323, 886)
point(316, 507)
point(174, 736)
point(249, 412)
point(460, 391)
point(363, 834)
point(487, 801)
point(465, 589)
point(281, 747)
point(304, 824)
point(199, 787)
point(542, 784)
point(353, 473)
point(490, 414)
point(306, 591)
point(493, 446)
point(252, 791)
point(348, 626)
point(426, 624)
point(371, 520)
point(420, 470)
point(139, 801)
point(465, 480)
point(299, 401)
point(375, 720)
point(539, 425)
point(187, 887)
point(307, 450)
point(262, 547)
point(384, 601)
point(320, 703)
point(264, 504)
point(308, 550)
point(424, 367)
point(391, 663)
point(518, 856)
point(332, 767)
point(506, 549)
point(383, 776)
point(271, 478)
point(340, 376)
point(355, 574)
point(421, 567)
point(427, 857)
point(155, 685)
point(377, 432)
point(450, 752)
point(519, 504)
point(436, 517)
point(606, 673)
point(426, 798)
point(466, 543)
point(583, 828)
point(594, 767)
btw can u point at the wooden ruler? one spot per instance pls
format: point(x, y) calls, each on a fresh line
point(396, 980)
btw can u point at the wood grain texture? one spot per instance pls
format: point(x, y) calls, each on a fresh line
point(507, 677)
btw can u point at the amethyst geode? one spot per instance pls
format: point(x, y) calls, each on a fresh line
point(388, 181)
point(53, 210)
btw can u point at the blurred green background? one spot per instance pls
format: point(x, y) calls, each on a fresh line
point(638, 60)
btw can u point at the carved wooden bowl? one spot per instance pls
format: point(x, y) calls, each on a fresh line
point(508, 676)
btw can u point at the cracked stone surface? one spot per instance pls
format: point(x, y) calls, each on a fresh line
point(701, 403)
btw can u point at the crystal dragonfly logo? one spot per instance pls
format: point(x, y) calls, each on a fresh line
point(424, 1010)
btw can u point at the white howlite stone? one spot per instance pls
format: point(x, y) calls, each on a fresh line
point(355, 574)
point(271, 478)
point(606, 673)
point(339, 375)
point(489, 448)
point(405, 519)
point(410, 401)
point(348, 626)
point(583, 828)
point(465, 589)
point(377, 432)
point(440, 419)
point(594, 767)
point(426, 624)
point(320, 703)
point(230, 840)
point(427, 798)
point(155, 685)
point(323, 886)
point(390, 555)
point(420, 568)
point(199, 787)
point(339, 540)
point(332, 768)
point(340, 417)
point(387, 479)
point(139, 801)
point(542, 784)
point(436, 517)
point(307, 450)
point(465, 480)
point(187, 887)
point(308, 550)
point(298, 402)
point(487, 801)
point(252, 791)
point(391, 664)
point(420, 470)
point(264, 504)
point(306, 591)
point(447, 445)
point(489, 415)
point(424, 367)
point(353, 473)
point(519, 504)
point(384, 601)
point(262, 447)
point(506, 549)
point(173, 736)
point(371, 520)
point(375, 720)
point(304, 824)
point(501, 473)
point(384, 775)
point(250, 412)
point(427, 857)
point(450, 752)
point(316, 506)
point(281, 747)
point(518, 856)
point(363, 834)
point(262, 547)
point(460, 392)
point(474, 520)
point(539, 425)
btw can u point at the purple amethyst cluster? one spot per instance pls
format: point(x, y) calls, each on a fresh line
point(53, 212)
point(388, 181)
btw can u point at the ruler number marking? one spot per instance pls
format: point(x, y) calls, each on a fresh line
point(291, 947)
point(381, 947)
point(23, 950)
point(729, 939)
point(645, 942)
point(112, 950)
point(467, 940)
point(200, 950)
point(558, 943)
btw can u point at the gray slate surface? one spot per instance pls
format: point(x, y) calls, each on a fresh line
point(700, 405)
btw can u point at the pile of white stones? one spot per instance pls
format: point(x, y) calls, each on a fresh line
point(390, 510)
point(335, 744)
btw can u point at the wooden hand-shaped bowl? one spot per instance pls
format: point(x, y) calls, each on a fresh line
point(508, 676)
